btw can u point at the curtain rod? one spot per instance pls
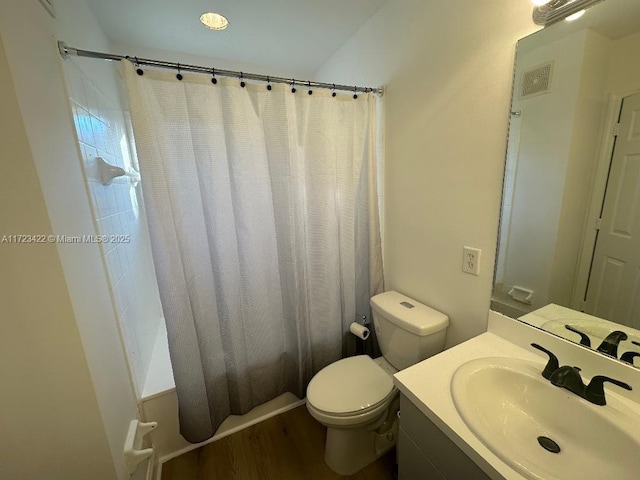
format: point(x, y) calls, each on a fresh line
point(65, 51)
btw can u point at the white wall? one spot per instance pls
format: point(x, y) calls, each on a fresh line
point(543, 160)
point(29, 36)
point(586, 134)
point(51, 422)
point(447, 67)
point(624, 69)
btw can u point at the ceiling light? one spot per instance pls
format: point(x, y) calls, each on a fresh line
point(575, 16)
point(214, 21)
point(558, 10)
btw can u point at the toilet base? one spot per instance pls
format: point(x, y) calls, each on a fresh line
point(348, 451)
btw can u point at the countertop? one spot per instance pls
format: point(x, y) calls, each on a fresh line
point(427, 385)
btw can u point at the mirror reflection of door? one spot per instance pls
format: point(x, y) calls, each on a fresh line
point(614, 282)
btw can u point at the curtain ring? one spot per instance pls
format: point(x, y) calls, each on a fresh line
point(214, 80)
point(355, 94)
point(242, 82)
point(333, 94)
point(293, 85)
point(179, 75)
point(139, 71)
point(310, 92)
point(268, 83)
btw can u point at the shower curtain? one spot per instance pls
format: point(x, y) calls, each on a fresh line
point(262, 209)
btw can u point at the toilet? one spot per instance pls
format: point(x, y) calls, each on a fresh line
point(355, 397)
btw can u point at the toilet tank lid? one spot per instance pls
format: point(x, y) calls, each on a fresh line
point(409, 314)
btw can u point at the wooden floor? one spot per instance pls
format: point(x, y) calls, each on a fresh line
point(289, 446)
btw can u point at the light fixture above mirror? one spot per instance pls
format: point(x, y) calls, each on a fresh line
point(547, 12)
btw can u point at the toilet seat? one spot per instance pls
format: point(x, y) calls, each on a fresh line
point(354, 386)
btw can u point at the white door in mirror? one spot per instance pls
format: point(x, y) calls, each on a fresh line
point(613, 287)
point(471, 260)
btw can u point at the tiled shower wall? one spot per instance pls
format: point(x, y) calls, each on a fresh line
point(118, 211)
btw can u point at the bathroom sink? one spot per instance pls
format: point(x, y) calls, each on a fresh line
point(514, 411)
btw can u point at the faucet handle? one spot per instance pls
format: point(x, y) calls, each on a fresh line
point(552, 364)
point(584, 338)
point(629, 356)
point(595, 390)
point(610, 344)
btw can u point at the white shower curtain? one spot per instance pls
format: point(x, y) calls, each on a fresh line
point(262, 209)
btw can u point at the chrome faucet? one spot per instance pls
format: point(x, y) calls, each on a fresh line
point(568, 377)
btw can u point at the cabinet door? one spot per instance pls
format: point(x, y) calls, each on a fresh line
point(412, 463)
point(445, 455)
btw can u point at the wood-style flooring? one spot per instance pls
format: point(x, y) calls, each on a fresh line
point(289, 446)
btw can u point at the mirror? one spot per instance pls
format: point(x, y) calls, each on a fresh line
point(569, 247)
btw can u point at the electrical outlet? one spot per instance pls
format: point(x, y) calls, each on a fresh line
point(471, 260)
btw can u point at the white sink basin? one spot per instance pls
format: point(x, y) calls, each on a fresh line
point(507, 404)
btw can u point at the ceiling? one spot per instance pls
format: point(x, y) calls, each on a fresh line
point(292, 35)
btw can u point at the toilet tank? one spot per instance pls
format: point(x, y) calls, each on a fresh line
point(408, 331)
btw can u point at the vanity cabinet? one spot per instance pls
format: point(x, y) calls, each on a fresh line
point(425, 452)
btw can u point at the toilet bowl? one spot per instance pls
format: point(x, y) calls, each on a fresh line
point(355, 397)
point(361, 425)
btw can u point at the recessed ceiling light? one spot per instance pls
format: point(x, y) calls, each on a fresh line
point(214, 21)
point(575, 16)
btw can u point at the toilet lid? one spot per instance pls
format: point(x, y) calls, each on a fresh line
point(349, 385)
